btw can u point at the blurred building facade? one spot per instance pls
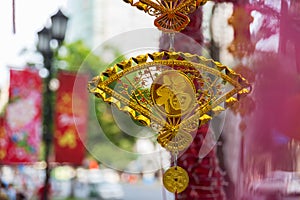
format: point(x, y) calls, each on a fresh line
point(96, 21)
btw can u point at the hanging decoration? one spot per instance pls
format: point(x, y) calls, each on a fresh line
point(240, 20)
point(240, 48)
point(171, 92)
point(171, 15)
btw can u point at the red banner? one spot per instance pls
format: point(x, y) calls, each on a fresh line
point(71, 124)
point(23, 120)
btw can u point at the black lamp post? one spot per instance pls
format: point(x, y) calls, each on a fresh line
point(45, 36)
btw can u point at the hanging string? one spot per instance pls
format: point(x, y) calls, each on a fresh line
point(171, 37)
point(175, 158)
point(14, 16)
point(175, 152)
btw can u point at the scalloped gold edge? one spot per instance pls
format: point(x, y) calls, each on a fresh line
point(139, 117)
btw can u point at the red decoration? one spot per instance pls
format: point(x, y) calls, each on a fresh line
point(289, 123)
point(71, 118)
point(23, 117)
point(206, 177)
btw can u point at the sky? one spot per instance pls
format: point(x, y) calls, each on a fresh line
point(31, 17)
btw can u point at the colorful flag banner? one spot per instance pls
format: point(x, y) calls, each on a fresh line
point(23, 119)
point(71, 118)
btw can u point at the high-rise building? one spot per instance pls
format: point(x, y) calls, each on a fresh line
point(96, 21)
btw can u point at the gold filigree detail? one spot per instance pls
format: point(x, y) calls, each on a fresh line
point(174, 140)
point(172, 15)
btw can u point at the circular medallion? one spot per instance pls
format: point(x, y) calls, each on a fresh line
point(173, 93)
point(176, 179)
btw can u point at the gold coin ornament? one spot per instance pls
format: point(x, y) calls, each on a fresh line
point(176, 179)
point(173, 93)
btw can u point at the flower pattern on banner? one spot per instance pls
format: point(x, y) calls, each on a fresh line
point(70, 124)
point(23, 120)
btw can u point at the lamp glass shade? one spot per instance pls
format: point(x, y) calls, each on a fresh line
point(59, 26)
point(44, 37)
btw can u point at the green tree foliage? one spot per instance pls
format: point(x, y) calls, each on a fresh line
point(76, 56)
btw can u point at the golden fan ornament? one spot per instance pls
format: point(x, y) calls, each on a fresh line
point(172, 92)
point(171, 15)
point(153, 91)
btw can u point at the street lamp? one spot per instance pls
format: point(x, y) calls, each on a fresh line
point(45, 36)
